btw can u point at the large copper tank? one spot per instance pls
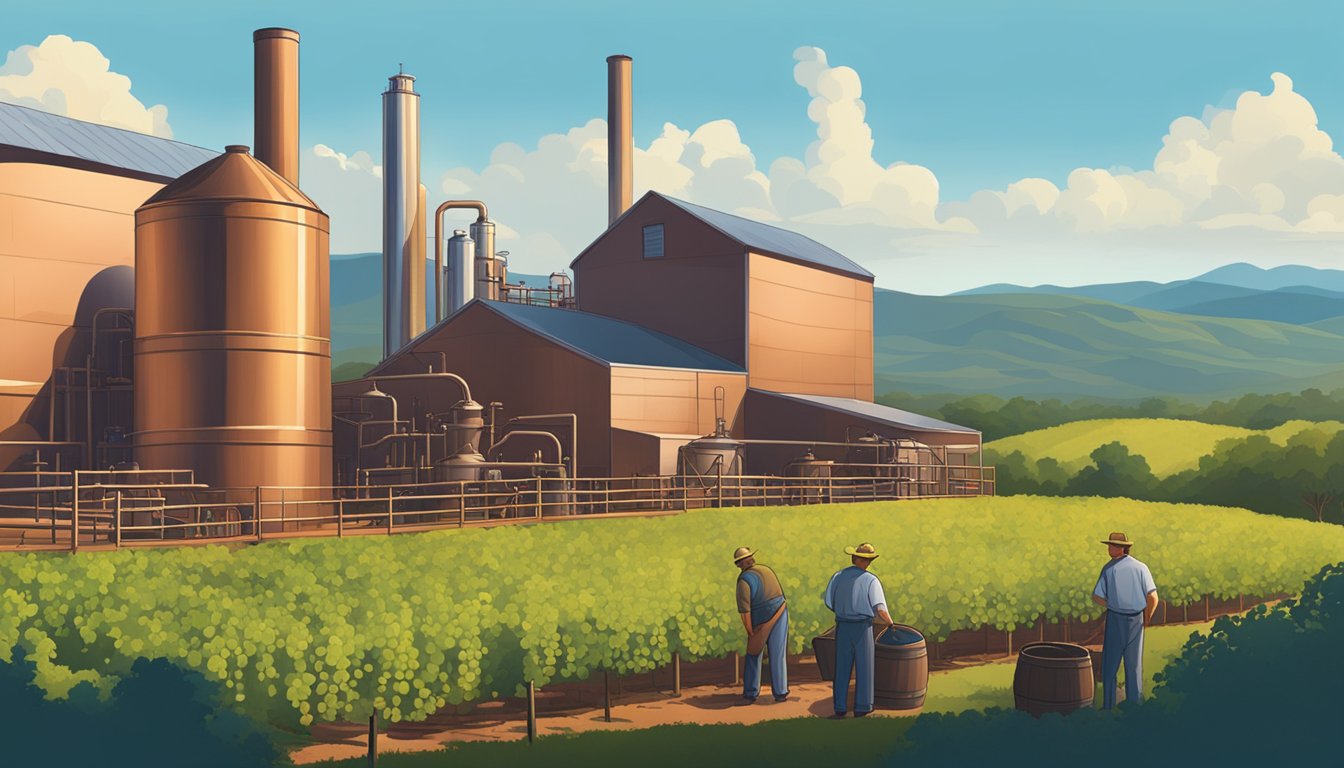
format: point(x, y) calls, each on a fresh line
point(232, 332)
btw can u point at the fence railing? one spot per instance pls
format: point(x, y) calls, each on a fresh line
point(116, 509)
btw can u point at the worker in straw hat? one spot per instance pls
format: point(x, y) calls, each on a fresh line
point(856, 596)
point(1127, 592)
point(765, 614)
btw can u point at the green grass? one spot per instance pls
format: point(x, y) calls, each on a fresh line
point(1169, 445)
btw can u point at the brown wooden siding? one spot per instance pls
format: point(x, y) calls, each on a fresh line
point(503, 362)
point(671, 401)
point(810, 331)
point(696, 292)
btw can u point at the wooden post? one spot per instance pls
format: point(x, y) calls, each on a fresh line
point(737, 667)
point(373, 740)
point(676, 673)
point(389, 510)
point(257, 513)
point(340, 518)
point(719, 485)
point(116, 522)
point(531, 712)
point(538, 497)
point(606, 695)
point(1009, 635)
point(74, 515)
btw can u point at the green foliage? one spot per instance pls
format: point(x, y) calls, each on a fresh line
point(997, 418)
point(332, 629)
point(1272, 676)
point(157, 715)
point(1254, 472)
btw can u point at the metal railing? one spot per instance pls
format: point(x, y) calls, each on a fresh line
point(117, 509)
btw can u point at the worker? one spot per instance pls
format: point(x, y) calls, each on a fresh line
point(1126, 590)
point(765, 614)
point(855, 595)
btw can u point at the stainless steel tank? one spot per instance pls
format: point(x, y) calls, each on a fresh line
point(463, 466)
point(460, 271)
point(812, 477)
point(713, 454)
point(867, 451)
point(489, 284)
point(232, 334)
point(466, 427)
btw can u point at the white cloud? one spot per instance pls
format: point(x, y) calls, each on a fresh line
point(1259, 182)
point(1258, 165)
point(349, 188)
point(73, 78)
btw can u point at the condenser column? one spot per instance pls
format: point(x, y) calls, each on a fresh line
point(403, 251)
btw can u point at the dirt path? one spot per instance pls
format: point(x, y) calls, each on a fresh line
point(717, 704)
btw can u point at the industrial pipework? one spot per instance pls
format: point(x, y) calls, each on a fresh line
point(482, 219)
point(620, 138)
point(275, 92)
point(403, 248)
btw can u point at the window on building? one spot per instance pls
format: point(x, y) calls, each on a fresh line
point(653, 241)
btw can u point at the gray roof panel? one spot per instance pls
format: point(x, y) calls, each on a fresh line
point(116, 147)
point(763, 237)
point(876, 412)
point(612, 341)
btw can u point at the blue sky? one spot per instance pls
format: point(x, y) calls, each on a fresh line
point(982, 94)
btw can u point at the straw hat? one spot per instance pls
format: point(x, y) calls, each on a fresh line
point(1118, 539)
point(864, 550)
point(742, 553)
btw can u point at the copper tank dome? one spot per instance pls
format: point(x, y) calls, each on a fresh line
point(232, 333)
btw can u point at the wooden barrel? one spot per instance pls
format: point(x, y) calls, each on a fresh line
point(901, 672)
point(1053, 677)
point(900, 665)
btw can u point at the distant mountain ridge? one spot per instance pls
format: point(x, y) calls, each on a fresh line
point(1292, 294)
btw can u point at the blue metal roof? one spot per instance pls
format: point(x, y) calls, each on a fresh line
point(44, 132)
point(612, 341)
point(772, 240)
point(881, 413)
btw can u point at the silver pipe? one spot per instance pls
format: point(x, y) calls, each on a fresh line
point(466, 390)
point(559, 450)
point(482, 215)
point(573, 433)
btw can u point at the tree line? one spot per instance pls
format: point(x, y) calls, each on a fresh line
point(1304, 478)
point(997, 417)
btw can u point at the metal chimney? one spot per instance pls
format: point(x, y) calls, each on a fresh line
point(620, 138)
point(403, 248)
point(275, 89)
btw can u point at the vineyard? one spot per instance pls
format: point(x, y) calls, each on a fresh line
point(1168, 445)
point(332, 629)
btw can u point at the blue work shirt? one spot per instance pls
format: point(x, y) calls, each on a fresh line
point(1125, 584)
point(855, 595)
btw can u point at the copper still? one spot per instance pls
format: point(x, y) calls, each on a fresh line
point(232, 334)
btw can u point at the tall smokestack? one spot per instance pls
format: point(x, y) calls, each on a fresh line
point(620, 138)
point(403, 250)
point(276, 92)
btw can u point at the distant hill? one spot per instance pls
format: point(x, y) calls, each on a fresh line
point(1297, 295)
point(1063, 346)
point(1168, 445)
point(1251, 276)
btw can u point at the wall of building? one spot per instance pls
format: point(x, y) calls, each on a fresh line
point(769, 417)
point(672, 401)
point(810, 331)
point(504, 363)
point(695, 292)
point(67, 248)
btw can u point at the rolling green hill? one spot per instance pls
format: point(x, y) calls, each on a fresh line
point(1065, 346)
point(1169, 445)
